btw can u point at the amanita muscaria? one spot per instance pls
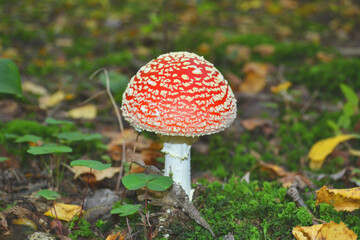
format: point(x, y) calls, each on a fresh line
point(179, 96)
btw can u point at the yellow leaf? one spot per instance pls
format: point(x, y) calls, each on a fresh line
point(341, 199)
point(33, 88)
point(85, 112)
point(64, 212)
point(354, 152)
point(46, 101)
point(99, 175)
point(117, 236)
point(322, 148)
point(281, 87)
point(328, 231)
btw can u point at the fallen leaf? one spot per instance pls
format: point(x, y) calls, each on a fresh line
point(252, 123)
point(88, 111)
point(117, 236)
point(287, 178)
point(34, 88)
point(327, 231)
point(48, 101)
point(341, 199)
point(255, 77)
point(147, 149)
point(63, 211)
point(264, 49)
point(324, 57)
point(234, 80)
point(99, 175)
point(321, 149)
point(281, 87)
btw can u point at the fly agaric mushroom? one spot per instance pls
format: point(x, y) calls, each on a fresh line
point(179, 96)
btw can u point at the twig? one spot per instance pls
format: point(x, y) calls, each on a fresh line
point(117, 112)
point(92, 97)
point(308, 103)
point(129, 228)
point(294, 194)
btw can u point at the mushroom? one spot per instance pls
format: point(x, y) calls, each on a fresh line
point(180, 96)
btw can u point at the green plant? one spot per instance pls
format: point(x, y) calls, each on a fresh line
point(350, 108)
point(79, 227)
point(9, 78)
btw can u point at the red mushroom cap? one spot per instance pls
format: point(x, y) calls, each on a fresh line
point(179, 94)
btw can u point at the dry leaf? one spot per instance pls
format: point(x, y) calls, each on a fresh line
point(99, 175)
point(85, 112)
point(287, 178)
point(324, 57)
point(327, 231)
point(322, 148)
point(147, 150)
point(255, 79)
point(252, 123)
point(117, 236)
point(63, 211)
point(341, 199)
point(281, 87)
point(264, 49)
point(47, 101)
point(33, 88)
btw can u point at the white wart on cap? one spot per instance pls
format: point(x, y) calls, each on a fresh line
point(179, 94)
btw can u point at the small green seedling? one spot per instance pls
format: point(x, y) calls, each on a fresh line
point(52, 149)
point(151, 181)
point(51, 196)
point(49, 149)
point(126, 210)
point(28, 138)
point(93, 164)
point(48, 194)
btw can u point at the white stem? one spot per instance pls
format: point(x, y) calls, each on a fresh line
point(177, 164)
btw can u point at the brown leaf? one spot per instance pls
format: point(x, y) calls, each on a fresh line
point(252, 123)
point(264, 49)
point(327, 231)
point(255, 79)
point(147, 150)
point(324, 57)
point(98, 175)
point(88, 111)
point(341, 199)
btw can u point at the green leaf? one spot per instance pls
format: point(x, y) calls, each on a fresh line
point(28, 138)
point(49, 195)
point(57, 122)
point(3, 159)
point(350, 94)
point(90, 164)
point(135, 181)
point(78, 136)
point(9, 78)
point(160, 183)
point(126, 210)
point(71, 136)
point(49, 149)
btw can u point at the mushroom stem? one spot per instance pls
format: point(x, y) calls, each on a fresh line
point(177, 161)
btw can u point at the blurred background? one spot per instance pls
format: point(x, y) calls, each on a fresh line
point(64, 41)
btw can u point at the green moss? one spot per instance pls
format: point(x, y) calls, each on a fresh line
point(326, 77)
point(80, 228)
point(248, 210)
